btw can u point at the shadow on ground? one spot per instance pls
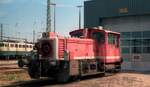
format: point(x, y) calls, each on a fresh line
point(136, 72)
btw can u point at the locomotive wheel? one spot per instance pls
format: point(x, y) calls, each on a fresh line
point(20, 63)
point(118, 68)
point(63, 77)
point(34, 70)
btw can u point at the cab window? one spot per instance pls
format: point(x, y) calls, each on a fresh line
point(99, 37)
point(78, 34)
point(113, 39)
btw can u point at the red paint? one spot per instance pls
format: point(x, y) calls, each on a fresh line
point(83, 45)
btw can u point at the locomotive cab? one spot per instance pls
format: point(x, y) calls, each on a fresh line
point(107, 45)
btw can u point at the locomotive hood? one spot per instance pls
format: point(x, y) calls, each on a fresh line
point(47, 46)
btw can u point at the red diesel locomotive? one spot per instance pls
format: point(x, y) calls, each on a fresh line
point(86, 52)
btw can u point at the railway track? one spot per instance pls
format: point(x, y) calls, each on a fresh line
point(9, 66)
point(7, 62)
point(123, 79)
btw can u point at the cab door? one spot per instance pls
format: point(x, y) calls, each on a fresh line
point(113, 49)
point(99, 38)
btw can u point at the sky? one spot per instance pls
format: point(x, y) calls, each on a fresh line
point(21, 17)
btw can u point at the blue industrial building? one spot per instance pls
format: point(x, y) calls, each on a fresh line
point(95, 10)
point(129, 17)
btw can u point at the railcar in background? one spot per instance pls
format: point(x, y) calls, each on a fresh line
point(10, 49)
point(86, 52)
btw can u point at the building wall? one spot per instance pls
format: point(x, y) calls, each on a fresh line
point(90, 17)
point(127, 23)
point(97, 9)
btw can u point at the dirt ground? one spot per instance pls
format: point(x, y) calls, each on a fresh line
point(10, 72)
point(12, 76)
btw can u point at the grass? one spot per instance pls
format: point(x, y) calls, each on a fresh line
point(10, 77)
point(14, 76)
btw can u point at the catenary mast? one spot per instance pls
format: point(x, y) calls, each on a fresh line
point(48, 27)
point(1, 25)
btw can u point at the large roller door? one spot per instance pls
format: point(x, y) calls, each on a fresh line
point(135, 40)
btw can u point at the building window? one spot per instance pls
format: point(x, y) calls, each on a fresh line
point(136, 49)
point(125, 50)
point(136, 34)
point(123, 10)
point(126, 59)
point(115, 0)
point(136, 42)
point(125, 42)
point(146, 34)
point(100, 21)
point(146, 42)
point(126, 35)
point(146, 49)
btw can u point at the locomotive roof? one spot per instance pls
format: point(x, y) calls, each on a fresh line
point(112, 32)
point(14, 41)
point(94, 29)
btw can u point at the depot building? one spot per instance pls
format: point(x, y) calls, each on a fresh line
point(129, 17)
